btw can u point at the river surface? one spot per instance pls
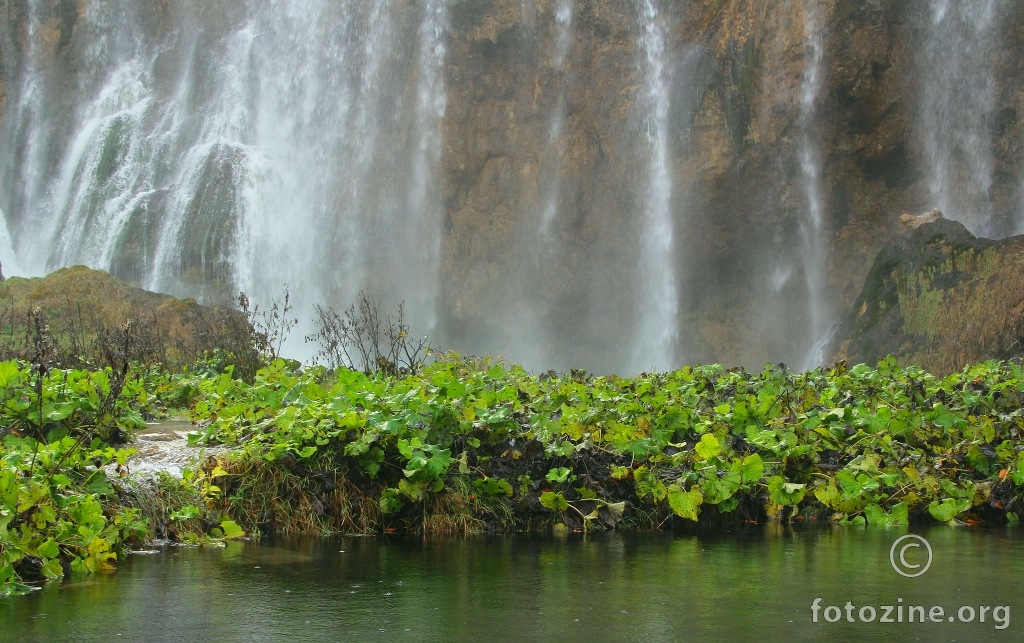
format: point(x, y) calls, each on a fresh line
point(755, 584)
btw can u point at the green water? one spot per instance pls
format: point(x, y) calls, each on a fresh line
point(757, 584)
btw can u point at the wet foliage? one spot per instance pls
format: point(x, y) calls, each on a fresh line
point(66, 503)
point(60, 513)
point(510, 450)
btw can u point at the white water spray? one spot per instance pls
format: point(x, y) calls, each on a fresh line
point(957, 100)
point(657, 325)
point(812, 237)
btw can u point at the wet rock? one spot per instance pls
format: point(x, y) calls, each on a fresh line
point(939, 297)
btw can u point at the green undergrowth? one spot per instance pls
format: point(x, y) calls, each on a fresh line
point(463, 448)
point(65, 507)
point(472, 446)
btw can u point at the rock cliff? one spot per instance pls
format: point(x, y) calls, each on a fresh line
point(793, 135)
point(738, 69)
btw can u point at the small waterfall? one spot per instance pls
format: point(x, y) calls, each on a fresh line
point(957, 99)
point(811, 226)
point(556, 143)
point(657, 309)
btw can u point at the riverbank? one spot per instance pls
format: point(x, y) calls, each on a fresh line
point(477, 447)
point(471, 446)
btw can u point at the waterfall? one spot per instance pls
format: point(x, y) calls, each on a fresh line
point(556, 143)
point(102, 178)
point(811, 226)
point(957, 100)
point(211, 179)
point(657, 310)
point(588, 178)
point(23, 173)
point(424, 244)
point(240, 147)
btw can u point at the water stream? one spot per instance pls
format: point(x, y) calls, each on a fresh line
point(162, 447)
point(812, 223)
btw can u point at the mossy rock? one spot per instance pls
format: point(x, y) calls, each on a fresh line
point(939, 297)
point(82, 301)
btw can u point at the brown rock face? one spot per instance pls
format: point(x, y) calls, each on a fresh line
point(523, 136)
point(738, 70)
point(789, 137)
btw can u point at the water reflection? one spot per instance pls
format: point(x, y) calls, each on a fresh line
point(755, 584)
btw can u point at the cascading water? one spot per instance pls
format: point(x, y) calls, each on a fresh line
point(21, 174)
point(588, 178)
point(657, 311)
point(957, 99)
point(244, 147)
point(556, 143)
point(424, 245)
point(812, 241)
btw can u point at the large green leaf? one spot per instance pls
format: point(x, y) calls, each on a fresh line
point(785, 493)
point(875, 515)
point(943, 511)
point(751, 468)
point(707, 447)
point(554, 501)
point(685, 504)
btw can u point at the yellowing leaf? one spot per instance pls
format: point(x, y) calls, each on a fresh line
point(707, 447)
point(231, 530)
point(685, 504)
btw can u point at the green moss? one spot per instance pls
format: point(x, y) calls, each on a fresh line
point(920, 304)
point(941, 298)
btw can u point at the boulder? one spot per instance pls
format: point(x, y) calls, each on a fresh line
point(939, 297)
point(80, 304)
